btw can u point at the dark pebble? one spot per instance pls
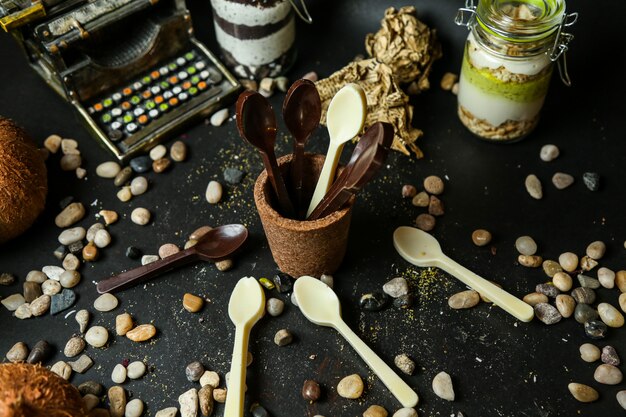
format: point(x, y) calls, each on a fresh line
point(133, 252)
point(194, 371)
point(7, 279)
point(141, 164)
point(257, 410)
point(32, 290)
point(283, 282)
point(584, 312)
point(592, 180)
point(66, 201)
point(123, 176)
point(62, 301)
point(584, 295)
point(40, 352)
point(76, 247)
point(595, 329)
point(547, 313)
point(374, 301)
point(91, 387)
point(311, 390)
point(404, 301)
point(60, 252)
point(233, 176)
point(588, 282)
point(548, 290)
point(610, 356)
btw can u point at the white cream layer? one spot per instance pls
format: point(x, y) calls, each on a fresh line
point(249, 15)
point(493, 108)
point(252, 52)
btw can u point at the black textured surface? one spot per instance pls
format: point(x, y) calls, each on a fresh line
point(499, 367)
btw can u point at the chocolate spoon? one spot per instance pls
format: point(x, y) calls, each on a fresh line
point(367, 158)
point(217, 244)
point(257, 125)
point(302, 110)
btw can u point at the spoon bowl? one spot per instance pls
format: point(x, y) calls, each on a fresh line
point(420, 247)
point(219, 243)
point(247, 302)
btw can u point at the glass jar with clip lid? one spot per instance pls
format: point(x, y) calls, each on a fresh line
point(507, 64)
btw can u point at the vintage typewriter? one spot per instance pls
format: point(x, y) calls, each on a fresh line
point(131, 68)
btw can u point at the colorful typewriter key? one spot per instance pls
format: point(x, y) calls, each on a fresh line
point(131, 127)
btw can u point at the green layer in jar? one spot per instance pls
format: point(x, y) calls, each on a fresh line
point(522, 92)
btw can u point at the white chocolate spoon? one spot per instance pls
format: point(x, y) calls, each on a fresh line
point(344, 119)
point(320, 305)
point(245, 308)
point(422, 249)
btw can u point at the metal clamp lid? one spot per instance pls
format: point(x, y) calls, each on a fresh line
point(560, 47)
point(306, 16)
point(465, 12)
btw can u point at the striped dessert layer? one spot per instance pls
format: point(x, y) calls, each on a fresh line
point(247, 13)
point(245, 32)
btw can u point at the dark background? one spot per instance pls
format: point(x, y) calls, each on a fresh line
point(500, 367)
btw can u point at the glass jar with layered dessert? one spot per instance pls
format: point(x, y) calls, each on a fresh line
point(507, 64)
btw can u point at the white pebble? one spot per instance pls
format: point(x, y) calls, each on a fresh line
point(108, 169)
point(138, 185)
point(106, 302)
point(214, 192)
point(136, 369)
point(124, 194)
point(210, 378)
point(93, 229)
point(158, 152)
point(134, 408)
point(442, 386)
point(102, 238)
point(167, 412)
point(52, 271)
point(97, 336)
point(69, 147)
point(69, 236)
point(405, 412)
point(219, 117)
point(119, 374)
point(533, 186)
point(69, 279)
point(189, 403)
point(606, 277)
point(51, 287)
point(148, 259)
point(140, 216)
point(81, 173)
point(52, 143)
point(549, 153)
point(589, 352)
point(621, 398)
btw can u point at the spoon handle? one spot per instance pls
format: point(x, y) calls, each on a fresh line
point(326, 176)
point(296, 172)
point(501, 298)
point(273, 172)
point(236, 383)
point(395, 384)
point(145, 272)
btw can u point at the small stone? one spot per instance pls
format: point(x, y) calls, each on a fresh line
point(91, 388)
point(267, 86)
point(97, 336)
point(210, 378)
point(533, 187)
point(396, 287)
point(69, 279)
point(547, 313)
point(408, 412)
point(425, 222)
point(69, 147)
point(224, 265)
point(374, 301)
point(311, 390)
point(448, 80)
point(350, 387)
point(76, 247)
point(70, 162)
point(82, 364)
point(606, 277)
point(189, 403)
point(584, 295)
point(81, 173)
point(168, 249)
point(205, 398)
point(596, 250)
point(621, 398)
point(583, 393)
point(82, 318)
point(421, 199)
point(141, 164)
point(40, 352)
point(32, 290)
point(123, 324)
point(194, 371)
point(178, 151)
point(200, 232)
point(588, 282)
point(214, 192)
point(589, 352)
point(404, 301)
point(562, 281)
point(105, 302)
point(108, 169)
point(93, 229)
point(23, 312)
point(328, 280)
point(565, 304)
point(587, 263)
point(17, 353)
point(167, 412)
point(192, 303)
point(119, 374)
point(219, 117)
point(375, 411)
point(142, 333)
point(123, 176)
point(608, 374)
point(435, 206)
point(622, 301)
point(90, 252)
point(233, 176)
point(549, 153)
point(442, 386)
point(550, 290)
point(36, 276)
point(568, 261)
point(591, 180)
point(158, 152)
point(409, 191)
point(72, 235)
point(52, 143)
point(133, 252)
point(62, 369)
point(70, 215)
point(74, 346)
point(138, 185)
point(620, 280)
point(610, 315)
point(530, 261)
point(404, 363)
point(609, 355)
point(135, 370)
point(102, 239)
point(6, 279)
point(595, 329)
point(40, 305)
point(117, 401)
point(283, 282)
point(311, 76)
point(433, 185)
point(124, 194)
point(584, 312)
point(526, 245)
point(12, 302)
point(283, 337)
point(140, 216)
point(551, 267)
point(282, 83)
point(161, 165)
point(275, 307)
point(249, 84)
point(562, 180)
point(148, 259)
point(481, 237)
point(134, 408)
point(51, 287)
point(257, 410)
point(219, 395)
point(464, 299)
point(71, 262)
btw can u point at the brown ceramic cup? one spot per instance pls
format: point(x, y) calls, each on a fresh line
point(303, 247)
